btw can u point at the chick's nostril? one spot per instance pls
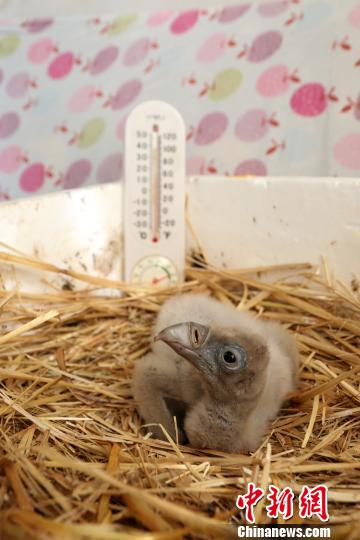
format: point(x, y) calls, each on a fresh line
point(196, 336)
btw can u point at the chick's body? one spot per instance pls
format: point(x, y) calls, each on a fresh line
point(215, 408)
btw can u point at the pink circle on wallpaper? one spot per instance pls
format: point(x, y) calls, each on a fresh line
point(120, 128)
point(211, 127)
point(10, 159)
point(195, 165)
point(309, 100)
point(158, 18)
point(110, 169)
point(126, 94)
point(9, 123)
point(251, 166)
point(274, 81)
point(136, 52)
point(354, 17)
point(82, 99)
point(32, 177)
point(213, 48)
point(18, 85)
point(271, 9)
point(357, 108)
point(347, 151)
point(231, 13)
point(252, 125)
point(264, 46)
point(38, 25)
point(77, 173)
point(61, 66)
point(184, 22)
point(103, 60)
point(40, 51)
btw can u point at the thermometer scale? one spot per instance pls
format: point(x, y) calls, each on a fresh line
point(154, 228)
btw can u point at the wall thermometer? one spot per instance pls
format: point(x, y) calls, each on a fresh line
point(154, 228)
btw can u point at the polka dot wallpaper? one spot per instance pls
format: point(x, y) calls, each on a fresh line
point(267, 88)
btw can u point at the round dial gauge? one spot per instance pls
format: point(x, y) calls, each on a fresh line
point(155, 270)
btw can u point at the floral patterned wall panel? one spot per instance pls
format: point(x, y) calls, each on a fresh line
point(267, 88)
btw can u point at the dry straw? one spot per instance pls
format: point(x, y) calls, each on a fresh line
point(74, 462)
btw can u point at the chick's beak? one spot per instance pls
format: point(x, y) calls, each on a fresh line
point(186, 339)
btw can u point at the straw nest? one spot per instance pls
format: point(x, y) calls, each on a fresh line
point(74, 462)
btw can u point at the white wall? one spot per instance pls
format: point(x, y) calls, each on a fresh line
point(239, 223)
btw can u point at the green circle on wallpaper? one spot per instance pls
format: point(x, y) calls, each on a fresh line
point(225, 83)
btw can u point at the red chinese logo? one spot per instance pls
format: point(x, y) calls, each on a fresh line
point(313, 502)
point(281, 502)
point(249, 500)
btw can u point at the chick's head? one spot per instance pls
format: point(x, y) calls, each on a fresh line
point(232, 362)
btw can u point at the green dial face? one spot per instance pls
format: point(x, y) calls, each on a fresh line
point(155, 270)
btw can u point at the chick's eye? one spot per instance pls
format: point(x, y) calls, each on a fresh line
point(233, 358)
point(229, 357)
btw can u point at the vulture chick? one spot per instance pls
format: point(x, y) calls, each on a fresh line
point(221, 372)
